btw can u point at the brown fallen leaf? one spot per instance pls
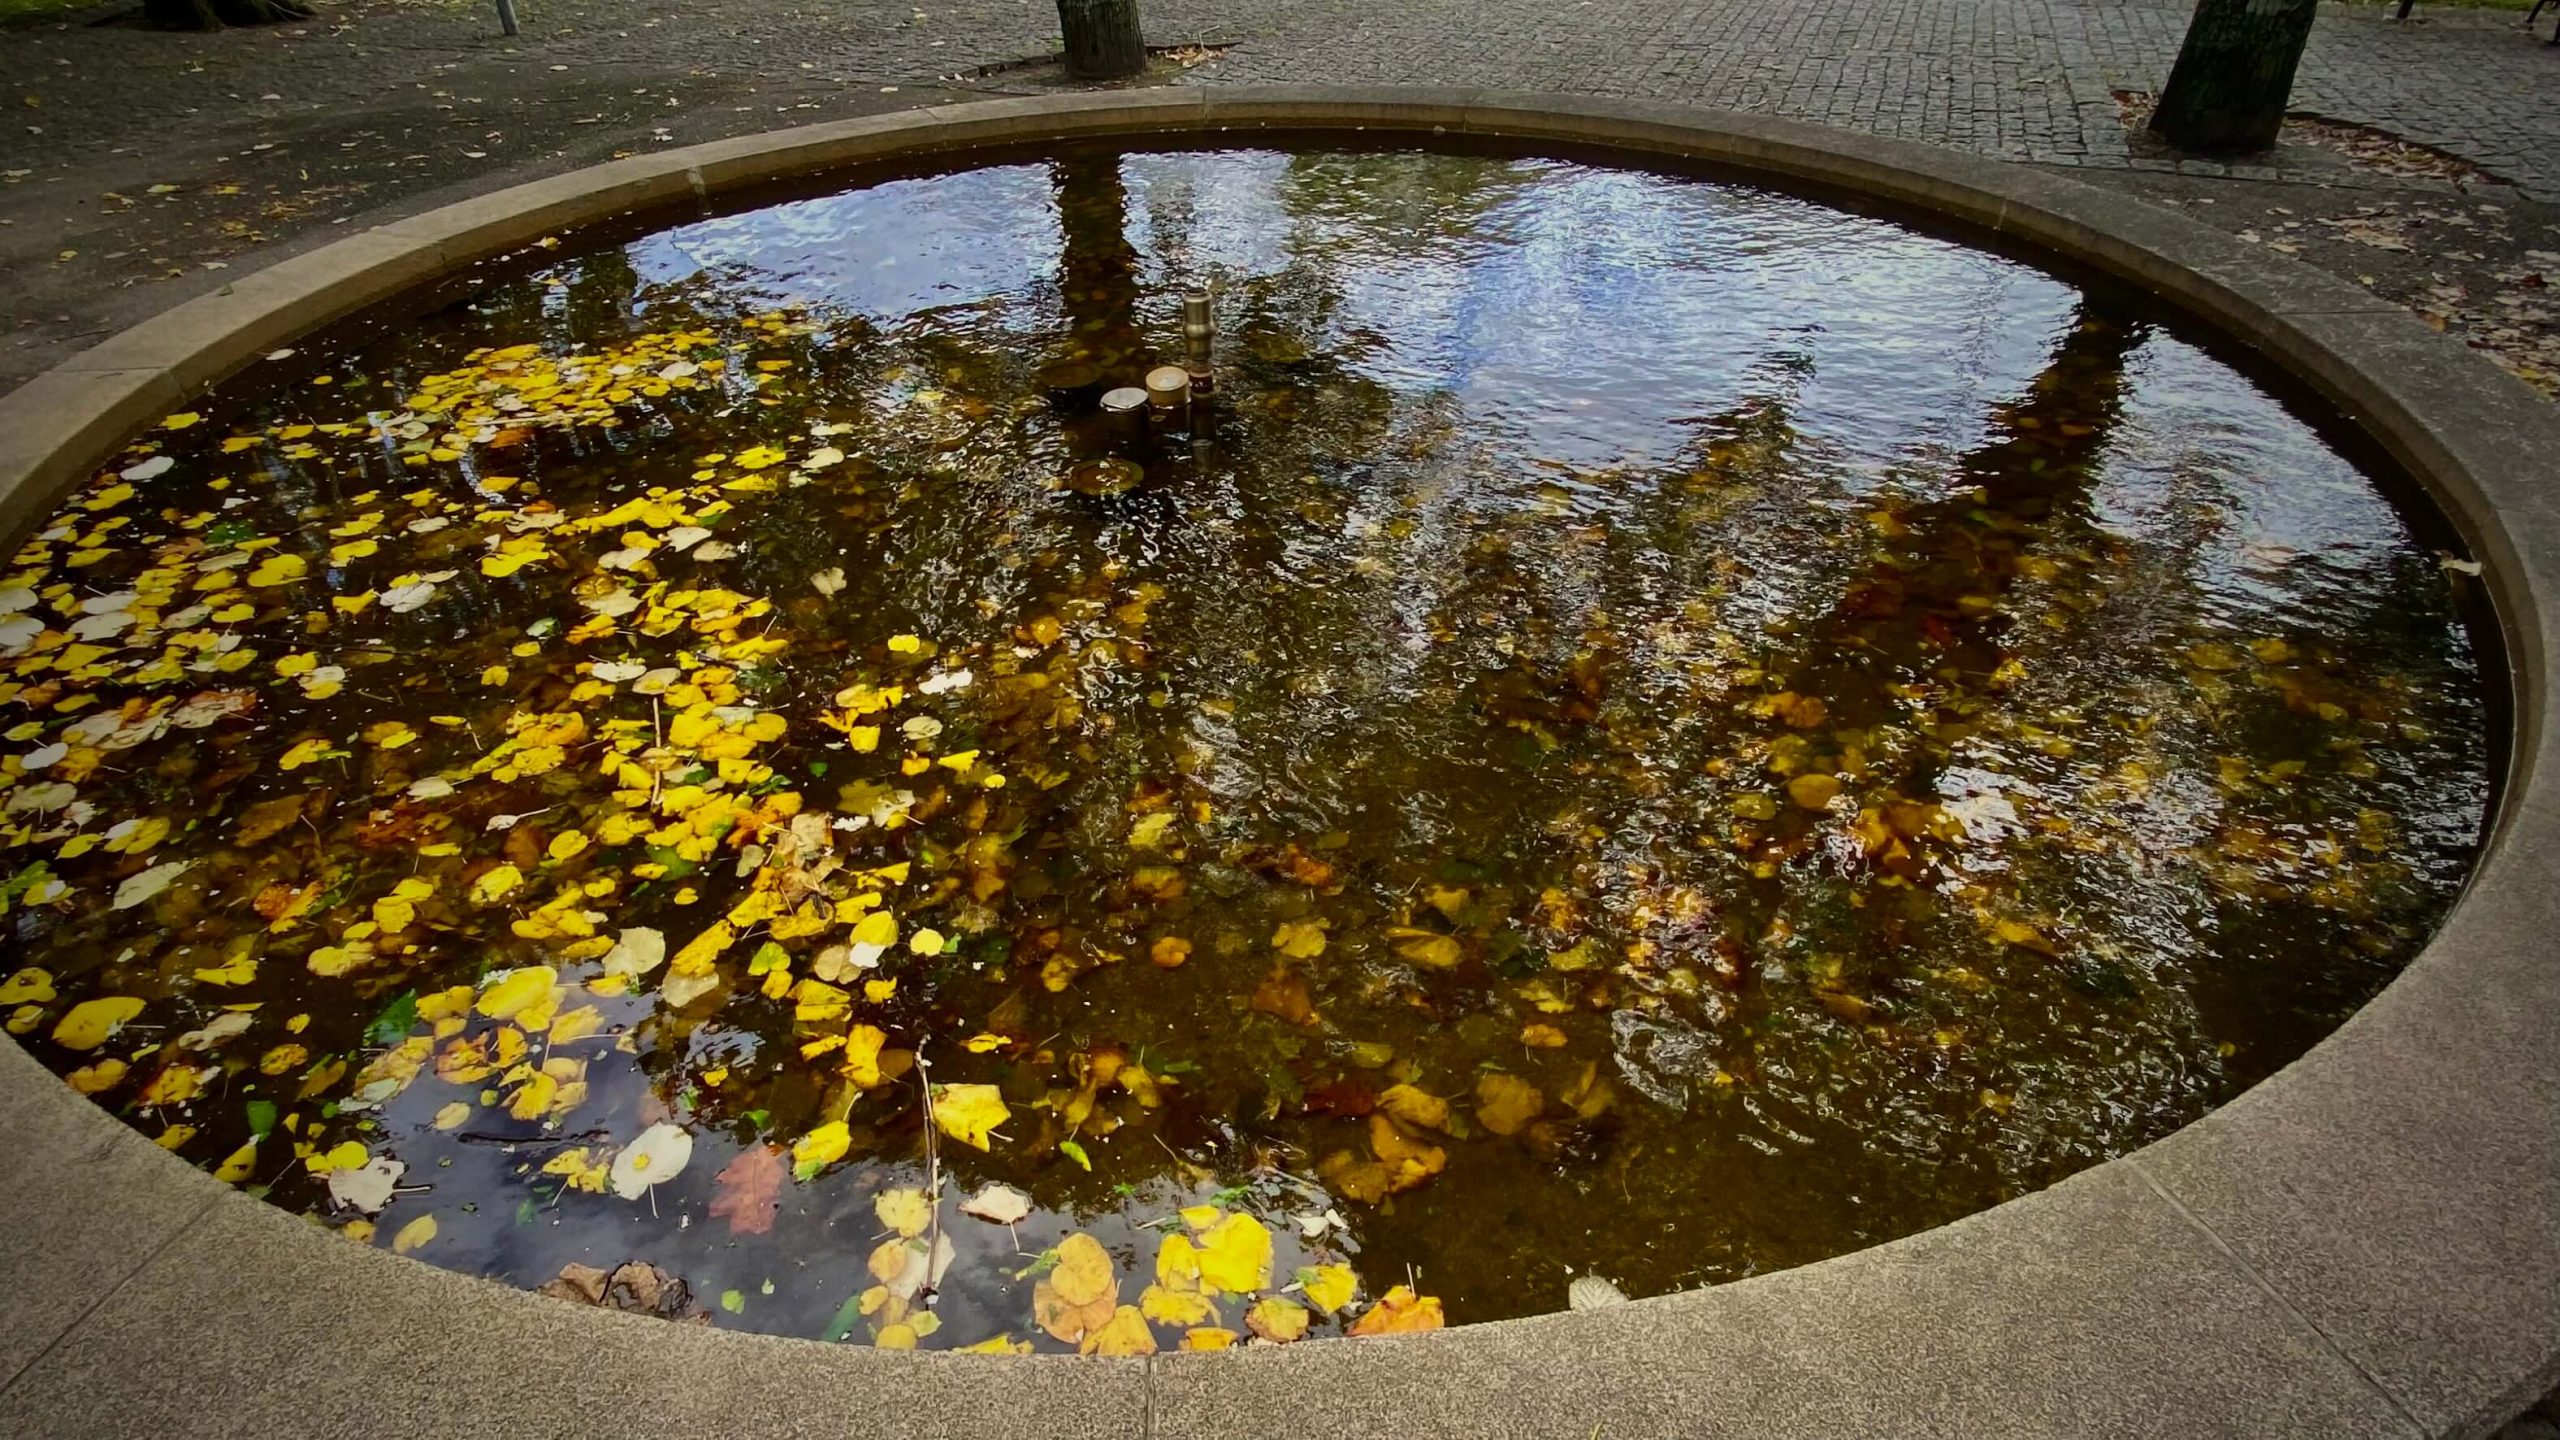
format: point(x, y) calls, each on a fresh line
point(260, 822)
point(1283, 993)
point(750, 1190)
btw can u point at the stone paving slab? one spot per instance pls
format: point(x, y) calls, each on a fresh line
point(106, 1202)
point(254, 1324)
point(2154, 1332)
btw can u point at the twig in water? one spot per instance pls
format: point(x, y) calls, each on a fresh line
point(932, 1171)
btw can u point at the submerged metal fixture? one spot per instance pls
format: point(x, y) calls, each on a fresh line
point(1199, 335)
point(1169, 390)
point(1124, 412)
point(1108, 476)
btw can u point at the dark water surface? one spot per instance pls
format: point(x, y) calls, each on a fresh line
point(1793, 729)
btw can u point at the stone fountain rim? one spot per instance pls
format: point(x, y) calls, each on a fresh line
point(2366, 1243)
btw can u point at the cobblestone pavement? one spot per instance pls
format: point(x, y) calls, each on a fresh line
point(139, 166)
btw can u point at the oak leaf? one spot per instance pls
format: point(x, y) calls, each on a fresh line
point(749, 1191)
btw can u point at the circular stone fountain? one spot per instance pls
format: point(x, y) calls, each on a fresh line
point(2127, 1273)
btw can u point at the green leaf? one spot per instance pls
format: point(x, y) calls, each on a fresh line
point(768, 957)
point(25, 879)
point(396, 1020)
point(848, 1315)
point(678, 867)
point(1075, 1152)
point(262, 1117)
point(733, 1301)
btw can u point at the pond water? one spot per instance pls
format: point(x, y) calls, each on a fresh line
point(1647, 730)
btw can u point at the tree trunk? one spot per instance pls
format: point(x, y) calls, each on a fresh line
point(1098, 269)
point(215, 14)
point(2234, 74)
point(1102, 38)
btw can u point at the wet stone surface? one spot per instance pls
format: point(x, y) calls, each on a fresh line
point(1648, 730)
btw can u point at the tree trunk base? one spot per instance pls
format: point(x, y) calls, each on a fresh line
point(1102, 39)
point(2227, 92)
point(216, 14)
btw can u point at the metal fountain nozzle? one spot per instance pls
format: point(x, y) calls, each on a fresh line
point(1199, 336)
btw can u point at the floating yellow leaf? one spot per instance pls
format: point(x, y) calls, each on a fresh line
point(1176, 1307)
point(495, 883)
point(237, 1165)
point(87, 1025)
point(1208, 1338)
point(1084, 1273)
point(879, 929)
point(903, 1210)
point(1400, 1312)
point(279, 569)
point(1177, 1263)
point(820, 1148)
point(30, 986)
point(1064, 1320)
point(1126, 1333)
point(969, 1113)
point(1330, 1287)
point(862, 1054)
point(345, 1155)
point(514, 991)
point(1277, 1319)
point(303, 754)
point(1235, 1255)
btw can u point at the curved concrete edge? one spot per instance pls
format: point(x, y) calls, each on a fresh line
point(2366, 1244)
